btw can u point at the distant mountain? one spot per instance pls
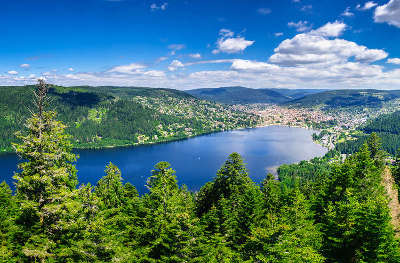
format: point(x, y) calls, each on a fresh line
point(239, 95)
point(346, 98)
point(242, 95)
point(297, 93)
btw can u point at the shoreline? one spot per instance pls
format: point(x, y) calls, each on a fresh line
point(177, 139)
point(6, 152)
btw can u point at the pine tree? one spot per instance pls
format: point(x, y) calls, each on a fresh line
point(45, 186)
point(375, 149)
point(110, 189)
point(171, 229)
point(237, 199)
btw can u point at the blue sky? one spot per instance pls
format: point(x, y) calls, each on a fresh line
point(202, 44)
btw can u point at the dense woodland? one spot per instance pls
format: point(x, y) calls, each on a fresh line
point(113, 116)
point(385, 126)
point(319, 211)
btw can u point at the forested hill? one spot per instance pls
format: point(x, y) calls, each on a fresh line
point(386, 126)
point(346, 98)
point(116, 116)
point(239, 95)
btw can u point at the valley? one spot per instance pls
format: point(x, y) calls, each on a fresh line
point(104, 117)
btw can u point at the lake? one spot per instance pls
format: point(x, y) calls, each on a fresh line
point(197, 159)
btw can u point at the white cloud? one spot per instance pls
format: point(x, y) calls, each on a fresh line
point(393, 61)
point(250, 73)
point(195, 55)
point(155, 7)
point(316, 47)
point(347, 12)
point(334, 29)
point(25, 66)
point(228, 43)
point(154, 73)
point(12, 72)
point(127, 69)
point(71, 69)
point(368, 5)
point(226, 33)
point(248, 65)
point(175, 64)
point(300, 26)
point(264, 11)
point(278, 34)
point(388, 13)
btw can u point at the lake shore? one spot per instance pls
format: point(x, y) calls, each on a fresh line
point(116, 145)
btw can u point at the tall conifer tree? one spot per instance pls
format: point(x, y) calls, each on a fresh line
point(45, 186)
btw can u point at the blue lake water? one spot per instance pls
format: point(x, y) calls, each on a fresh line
point(196, 160)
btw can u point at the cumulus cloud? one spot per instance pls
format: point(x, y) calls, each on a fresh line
point(393, 61)
point(318, 47)
point(12, 72)
point(71, 69)
point(264, 11)
point(175, 64)
point(229, 43)
point(334, 29)
point(368, 5)
point(388, 13)
point(25, 66)
point(300, 26)
point(278, 34)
